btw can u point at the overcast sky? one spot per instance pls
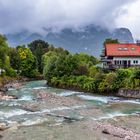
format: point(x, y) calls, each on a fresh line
point(34, 15)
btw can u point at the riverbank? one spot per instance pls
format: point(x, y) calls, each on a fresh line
point(13, 82)
point(43, 112)
point(8, 82)
point(85, 130)
point(125, 93)
point(129, 93)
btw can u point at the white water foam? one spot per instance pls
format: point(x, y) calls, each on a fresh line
point(11, 89)
point(26, 98)
point(90, 98)
point(99, 98)
point(40, 88)
point(14, 103)
point(131, 101)
point(12, 113)
point(111, 115)
point(67, 108)
point(56, 109)
point(34, 121)
point(68, 93)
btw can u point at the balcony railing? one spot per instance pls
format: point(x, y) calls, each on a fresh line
point(119, 66)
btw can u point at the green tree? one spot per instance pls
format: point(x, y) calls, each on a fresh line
point(85, 59)
point(49, 62)
point(28, 64)
point(14, 58)
point(39, 48)
point(111, 41)
point(58, 65)
point(3, 50)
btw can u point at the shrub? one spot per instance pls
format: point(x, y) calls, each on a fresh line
point(108, 84)
point(93, 71)
point(11, 72)
point(134, 79)
point(81, 70)
point(33, 73)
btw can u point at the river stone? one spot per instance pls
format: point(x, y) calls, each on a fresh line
point(15, 84)
point(129, 93)
point(7, 97)
point(119, 132)
point(3, 126)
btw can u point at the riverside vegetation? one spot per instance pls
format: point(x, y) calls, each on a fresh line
point(22, 60)
point(63, 69)
point(80, 71)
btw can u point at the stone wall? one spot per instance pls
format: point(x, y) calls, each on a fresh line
point(129, 93)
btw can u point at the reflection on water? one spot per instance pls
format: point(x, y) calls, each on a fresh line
point(109, 107)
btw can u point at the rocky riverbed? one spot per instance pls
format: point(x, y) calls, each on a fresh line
point(40, 112)
point(14, 84)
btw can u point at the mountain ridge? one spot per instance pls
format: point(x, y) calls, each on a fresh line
point(89, 39)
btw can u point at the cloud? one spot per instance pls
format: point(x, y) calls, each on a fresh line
point(130, 18)
point(33, 15)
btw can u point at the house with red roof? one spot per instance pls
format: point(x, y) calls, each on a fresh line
point(121, 56)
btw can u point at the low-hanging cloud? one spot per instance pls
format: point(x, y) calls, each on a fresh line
point(34, 16)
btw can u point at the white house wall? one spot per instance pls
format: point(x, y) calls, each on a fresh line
point(132, 59)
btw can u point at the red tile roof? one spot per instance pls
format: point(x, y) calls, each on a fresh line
point(122, 50)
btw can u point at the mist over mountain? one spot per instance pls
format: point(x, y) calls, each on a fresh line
point(88, 39)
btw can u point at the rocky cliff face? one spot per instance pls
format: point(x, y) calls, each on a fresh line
point(89, 39)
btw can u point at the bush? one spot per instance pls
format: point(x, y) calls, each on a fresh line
point(108, 84)
point(93, 70)
point(11, 72)
point(81, 70)
point(134, 80)
point(33, 73)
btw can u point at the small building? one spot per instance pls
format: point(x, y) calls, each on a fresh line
point(121, 56)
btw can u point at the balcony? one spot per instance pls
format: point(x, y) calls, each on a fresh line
point(113, 67)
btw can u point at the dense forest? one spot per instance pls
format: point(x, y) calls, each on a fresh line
point(63, 69)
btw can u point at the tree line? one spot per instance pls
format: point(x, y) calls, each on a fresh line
point(22, 60)
point(64, 69)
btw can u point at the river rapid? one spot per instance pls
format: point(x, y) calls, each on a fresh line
point(68, 115)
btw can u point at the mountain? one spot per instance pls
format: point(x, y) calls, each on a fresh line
point(88, 39)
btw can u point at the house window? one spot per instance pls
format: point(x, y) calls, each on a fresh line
point(125, 49)
point(120, 62)
point(135, 61)
point(133, 49)
point(117, 62)
point(120, 49)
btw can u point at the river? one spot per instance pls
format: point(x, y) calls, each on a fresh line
point(36, 118)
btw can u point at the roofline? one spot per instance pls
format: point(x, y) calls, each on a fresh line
point(121, 44)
